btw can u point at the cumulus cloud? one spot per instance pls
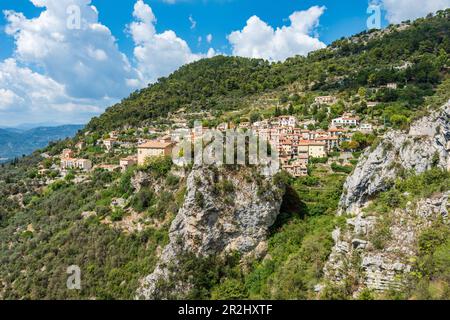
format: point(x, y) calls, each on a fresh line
point(209, 38)
point(259, 40)
point(27, 96)
point(70, 72)
point(85, 59)
point(402, 10)
point(8, 99)
point(157, 54)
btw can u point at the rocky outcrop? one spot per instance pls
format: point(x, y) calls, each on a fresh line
point(426, 144)
point(381, 266)
point(224, 211)
point(375, 250)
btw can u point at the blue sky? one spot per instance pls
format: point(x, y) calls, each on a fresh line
point(216, 17)
point(220, 17)
point(52, 73)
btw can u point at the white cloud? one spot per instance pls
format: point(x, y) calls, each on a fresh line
point(27, 96)
point(193, 22)
point(259, 40)
point(86, 60)
point(157, 54)
point(402, 10)
point(211, 53)
point(209, 38)
point(69, 75)
point(8, 99)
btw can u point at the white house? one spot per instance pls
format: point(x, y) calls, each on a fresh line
point(70, 163)
point(392, 86)
point(127, 162)
point(287, 121)
point(345, 122)
point(366, 127)
point(109, 143)
point(371, 104)
point(326, 100)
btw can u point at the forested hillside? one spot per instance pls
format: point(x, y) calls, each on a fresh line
point(369, 59)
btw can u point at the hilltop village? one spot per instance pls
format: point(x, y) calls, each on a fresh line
point(299, 142)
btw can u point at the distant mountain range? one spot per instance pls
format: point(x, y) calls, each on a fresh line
point(15, 142)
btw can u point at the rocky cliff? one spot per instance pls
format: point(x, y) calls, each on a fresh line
point(426, 144)
point(358, 256)
point(225, 211)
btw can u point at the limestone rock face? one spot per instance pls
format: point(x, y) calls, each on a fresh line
point(426, 144)
point(381, 268)
point(224, 211)
point(358, 252)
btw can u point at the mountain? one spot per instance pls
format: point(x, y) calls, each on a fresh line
point(369, 59)
point(17, 142)
point(367, 221)
point(29, 126)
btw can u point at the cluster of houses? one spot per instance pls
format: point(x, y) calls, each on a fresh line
point(295, 143)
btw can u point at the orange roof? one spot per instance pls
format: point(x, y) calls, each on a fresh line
point(155, 144)
point(310, 143)
point(327, 138)
point(336, 130)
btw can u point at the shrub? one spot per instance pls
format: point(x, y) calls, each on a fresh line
point(230, 289)
point(143, 199)
point(172, 180)
point(392, 198)
point(338, 168)
point(199, 199)
point(160, 166)
point(117, 215)
point(382, 233)
point(224, 186)
point(319, 160)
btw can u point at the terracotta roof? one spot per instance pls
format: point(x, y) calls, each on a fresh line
point(336, 130)
point(155, 145)
point(311, 143)
point(327, 138)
